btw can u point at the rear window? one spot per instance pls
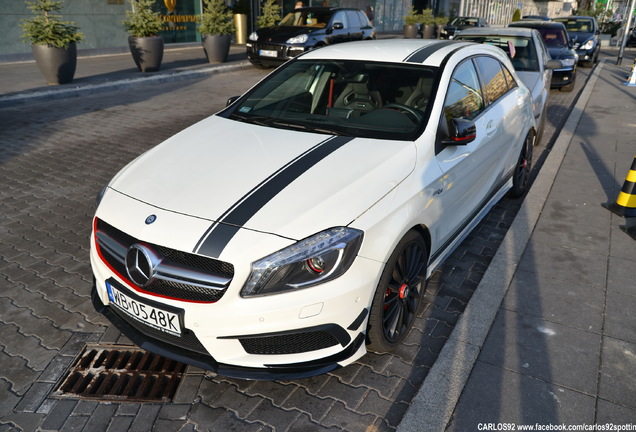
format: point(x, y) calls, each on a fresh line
point(581, 25)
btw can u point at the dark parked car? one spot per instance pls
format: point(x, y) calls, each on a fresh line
point(461, 23)
point(586, 34)
point(557, 41)
point(304, 29)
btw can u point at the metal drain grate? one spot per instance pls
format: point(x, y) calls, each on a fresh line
point(123, 373)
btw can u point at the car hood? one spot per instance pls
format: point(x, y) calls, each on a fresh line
point(289, 183)
point(559, 53)
point(581, 37)
point(280, 34)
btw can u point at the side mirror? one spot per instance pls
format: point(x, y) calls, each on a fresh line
point(231, 100)
point(554, 64)
point(461, 132)
point(337, 26)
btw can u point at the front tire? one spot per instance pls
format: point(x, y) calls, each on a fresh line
point(398, 295)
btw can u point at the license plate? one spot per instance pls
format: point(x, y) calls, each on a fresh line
point(269, 53)
point(158, 318)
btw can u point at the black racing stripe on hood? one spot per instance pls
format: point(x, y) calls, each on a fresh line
point(222, 231)
point(422, 54)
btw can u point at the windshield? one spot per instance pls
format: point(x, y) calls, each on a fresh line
point(303, 18)
point(581, 25)
point(553, 37)
point(470, 22)
point(343, 97)
point(525, 54)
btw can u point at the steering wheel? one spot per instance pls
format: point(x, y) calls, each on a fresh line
point(413, 114)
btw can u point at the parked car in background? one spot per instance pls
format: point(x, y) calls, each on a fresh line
point(530, 58)
point(287, 234)
point(559, 45)
point(587, 37)
point(534, 18)
point(460, 23)
point(304, 29)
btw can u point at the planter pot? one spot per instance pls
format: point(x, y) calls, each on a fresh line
point(217, 47)
point(440, 29)
point(240, 22)
point(147, 52)
point(410, 31)
point(57, 65)
point(427, 31)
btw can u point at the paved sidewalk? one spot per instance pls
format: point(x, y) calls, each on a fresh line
point(22, 81)
point(549, 337)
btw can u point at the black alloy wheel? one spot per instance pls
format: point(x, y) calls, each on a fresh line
point(521, 175)
point(399, 294)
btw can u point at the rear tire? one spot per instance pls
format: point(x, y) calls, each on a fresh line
point(398, 295)
point(521, 175)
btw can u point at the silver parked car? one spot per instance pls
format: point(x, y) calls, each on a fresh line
point(529, 57)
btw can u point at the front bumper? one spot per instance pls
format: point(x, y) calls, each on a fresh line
point(272, 54)
point(562, 77)
point(166, 345)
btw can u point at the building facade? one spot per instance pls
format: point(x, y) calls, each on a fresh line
point(100, 20)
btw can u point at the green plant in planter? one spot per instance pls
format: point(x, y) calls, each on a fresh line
point(53, 41)
point(47, 27)
point(440, 20)
point(143, 25)
point(216, 19)
point(270, 14)
point(426, 17)
point(216, 26)
point(412, 17)
point(142, 20)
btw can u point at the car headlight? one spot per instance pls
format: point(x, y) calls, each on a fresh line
point(298, 39)
point(253, 37)
point(588, 45)
point(317, 259)
point(568, 62)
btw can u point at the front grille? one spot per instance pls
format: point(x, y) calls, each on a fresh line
point(289, 344)
point(181, 275)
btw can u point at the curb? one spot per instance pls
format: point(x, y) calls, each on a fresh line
point(432, 407)
point(162, 77)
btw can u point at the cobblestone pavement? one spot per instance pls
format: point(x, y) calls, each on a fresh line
point(54, 158)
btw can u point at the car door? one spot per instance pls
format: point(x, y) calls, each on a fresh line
point(473, 172)
point(337, 30)
point(354, 27)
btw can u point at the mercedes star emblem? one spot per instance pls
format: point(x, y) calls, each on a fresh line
point(140, 264)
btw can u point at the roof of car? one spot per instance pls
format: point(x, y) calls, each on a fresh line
point(323, 9)
point(430, 52)
point(575, 17)
point(535, 24)
point(492, 31)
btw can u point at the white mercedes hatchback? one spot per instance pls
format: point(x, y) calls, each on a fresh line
point(287, 234)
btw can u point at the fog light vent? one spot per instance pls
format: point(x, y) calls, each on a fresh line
point(121, 373)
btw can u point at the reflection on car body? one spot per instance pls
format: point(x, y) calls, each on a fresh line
point(295, 229)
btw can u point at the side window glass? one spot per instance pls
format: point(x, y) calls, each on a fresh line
point(341, 18)
point(353, 20)
point(464, 98)
point(509, 78)
point(495, 84)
